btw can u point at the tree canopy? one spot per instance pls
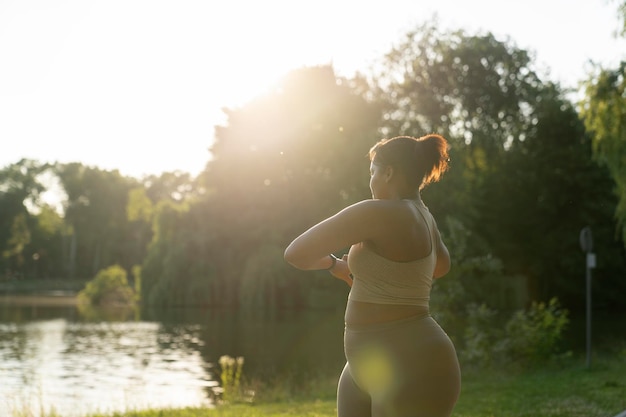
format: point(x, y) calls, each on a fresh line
point(528, 171)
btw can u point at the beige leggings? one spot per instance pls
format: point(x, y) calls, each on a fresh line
point(406, 368)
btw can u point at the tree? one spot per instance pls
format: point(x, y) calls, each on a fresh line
point(177, 270)
point(545, 190)
point(520, 160)
point(174, 186)
point(604, 113)
point(44, 252)
point(139, 212)
point(473, 89)
point(282, 161)
point(95, 212)
point(621, 11)
point(287, 160)
point(20, 188)
point(19, 237)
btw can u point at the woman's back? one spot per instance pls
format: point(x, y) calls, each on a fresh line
point(393, 275)
point(407, 236)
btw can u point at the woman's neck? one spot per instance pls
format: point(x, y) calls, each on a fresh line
point(415, 196)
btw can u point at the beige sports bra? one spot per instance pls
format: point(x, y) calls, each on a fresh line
point(383, 281)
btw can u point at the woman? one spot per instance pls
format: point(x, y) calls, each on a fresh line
point(400, 363)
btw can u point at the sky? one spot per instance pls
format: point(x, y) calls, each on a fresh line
point(138, 85)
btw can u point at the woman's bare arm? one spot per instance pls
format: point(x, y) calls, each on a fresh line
point(442, 266)
point(356, 223)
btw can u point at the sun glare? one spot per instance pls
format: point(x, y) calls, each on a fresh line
point(139, 86)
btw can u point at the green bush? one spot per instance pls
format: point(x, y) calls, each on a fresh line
point(478, 280)
point(529, 337)
point(535, 335)
point(482, 336)
point(109, 287)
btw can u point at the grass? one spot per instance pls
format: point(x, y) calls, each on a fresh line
point(565, 390)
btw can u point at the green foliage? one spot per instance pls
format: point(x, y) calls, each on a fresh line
point(20, 191)
point(108, 288)
point(549, 183)
point(482, 334)
point(49, 222)
point(136, 271)
point(284, 161)
point(470, 88)
point(529, 337)
point(139, 206)
point(176, 187)
point(22, 181)
point(44, 254)
point(178, 269)
point(536, 334)
point(475, 278)
point(604, 113)
point(264, 282)
point(96, 211)
point(621, 11)
point(19, 238)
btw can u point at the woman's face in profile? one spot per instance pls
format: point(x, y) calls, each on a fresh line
point(378, 181)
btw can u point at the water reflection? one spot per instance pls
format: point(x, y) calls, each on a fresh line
point(77, 368)
point(56, 359)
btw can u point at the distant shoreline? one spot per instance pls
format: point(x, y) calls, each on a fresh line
point(52, 299)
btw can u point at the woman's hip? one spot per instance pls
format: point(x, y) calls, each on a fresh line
point(399, 351)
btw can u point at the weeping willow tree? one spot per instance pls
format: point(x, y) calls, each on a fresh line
point(280, 163)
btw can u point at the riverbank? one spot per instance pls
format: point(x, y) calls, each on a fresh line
point(565, 390)
point(41, 286)
point(40, 293)
point(52, 299)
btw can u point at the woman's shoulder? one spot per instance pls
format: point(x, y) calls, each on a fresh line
point(381, 203)
point(377, 205)
point(381, 209)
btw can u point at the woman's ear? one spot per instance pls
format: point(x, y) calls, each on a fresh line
point(389, 172)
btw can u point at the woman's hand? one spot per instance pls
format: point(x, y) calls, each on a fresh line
point(342, 271)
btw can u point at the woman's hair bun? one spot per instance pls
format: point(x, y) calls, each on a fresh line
point(423, 160)
point(431, 152)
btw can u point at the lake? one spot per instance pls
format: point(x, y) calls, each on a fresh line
point(53, 357)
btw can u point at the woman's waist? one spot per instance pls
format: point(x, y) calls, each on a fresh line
point(360, 312)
